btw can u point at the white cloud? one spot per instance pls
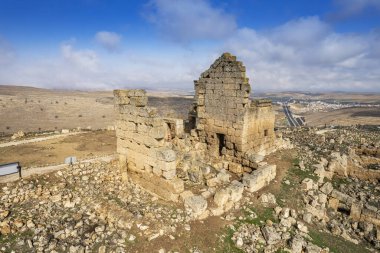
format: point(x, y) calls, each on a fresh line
point(7, 54)
point(284, 59)
point(304, 54)
point(109, 40)
point(188, 20)
point(84, 59)
point(350, 8)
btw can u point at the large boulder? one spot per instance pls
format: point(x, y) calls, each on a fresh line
point(259, 178)
point(196, 203)
point(271, 236)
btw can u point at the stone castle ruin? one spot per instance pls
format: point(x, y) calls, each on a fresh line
point(226, 119)
point(227, 133)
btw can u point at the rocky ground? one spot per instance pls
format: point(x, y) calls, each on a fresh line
point(307, 208)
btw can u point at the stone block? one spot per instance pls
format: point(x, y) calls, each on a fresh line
point(355, 211)
point(170, 174)
point(333, 203)
point(339, 195)
point(326, 188)
point(121, 97)
point(221, 197)
point(196, 203)
point(139, 101)
point(186, 194)
point(235, 190)
point(307, 184)
point(166, 154)
point(235, 168)
point(270, 234)
point(259, 178)
point(157, 171)
point(158, 132)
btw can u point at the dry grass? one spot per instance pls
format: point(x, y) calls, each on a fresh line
point(346, 116)
point(30, 109)
point(83, 146)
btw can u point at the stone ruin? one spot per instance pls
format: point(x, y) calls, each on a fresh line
point(226, 131)
point(144, 150)
point(226, 119)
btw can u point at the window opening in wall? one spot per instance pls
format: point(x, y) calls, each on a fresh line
point(266, 132)
point(171, 132)
point(221, 142)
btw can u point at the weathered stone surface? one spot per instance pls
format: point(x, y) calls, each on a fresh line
point(235, 190)
point(268, 198)
point(196, 203)
point(307, 184)
point(297, 244)
point(259, 178)
point(227, 118)
point(326, 188)
point(270, 234)
point(143, 150)
point(221, 197)
point(355, 212)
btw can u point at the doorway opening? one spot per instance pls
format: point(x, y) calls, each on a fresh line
point(221, 142)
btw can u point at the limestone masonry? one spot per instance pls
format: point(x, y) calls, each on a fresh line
point(226, 119)
point(226, 131)
point(143, 147)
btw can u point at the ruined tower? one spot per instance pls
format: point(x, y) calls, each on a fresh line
point(224, 116)
point(229, 126)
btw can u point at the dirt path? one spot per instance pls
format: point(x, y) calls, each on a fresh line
point(45, 138)
point(43, 170)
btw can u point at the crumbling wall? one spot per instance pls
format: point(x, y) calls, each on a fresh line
point(357, 210)
point(221, 94)
point(175, 128)
point(145, 154)
point(226, 119)
point(260, 134)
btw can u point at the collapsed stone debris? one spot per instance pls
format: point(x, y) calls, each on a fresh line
point(226, 134)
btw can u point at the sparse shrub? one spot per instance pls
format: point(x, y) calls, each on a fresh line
point(42, 109)
point(80, 116)
point(103, 116)
point(56, 102)
point(56, 116)
point(8, 127)
point(39, 129)
point(65, 103)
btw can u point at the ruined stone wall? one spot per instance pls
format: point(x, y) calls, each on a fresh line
point(221, 93)
point(259, 135)
point(224, 112)
point(145, 153)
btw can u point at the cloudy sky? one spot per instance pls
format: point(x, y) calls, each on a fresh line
point(324, 45)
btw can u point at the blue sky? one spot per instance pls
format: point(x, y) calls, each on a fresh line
point(97, 44)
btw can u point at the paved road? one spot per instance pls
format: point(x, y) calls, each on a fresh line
point(43, 170)
point(45, 138)
point(292, 122)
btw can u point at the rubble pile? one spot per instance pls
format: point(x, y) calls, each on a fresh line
point(85, 207)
